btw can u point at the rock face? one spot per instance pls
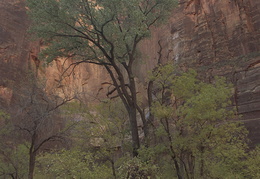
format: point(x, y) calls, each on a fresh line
point(18, 57)
point(216, 37)
point(87, 82)
point(248, 100)
point(210, 34)
point(211, 31)
point(223, 38)
point(14, 47)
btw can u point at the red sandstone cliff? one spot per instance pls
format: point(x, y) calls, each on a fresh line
point(18, 55)
point(216, 37)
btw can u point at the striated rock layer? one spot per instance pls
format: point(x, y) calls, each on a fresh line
point(216, 37)
point(18, 57)
point(223, 38)
point(14, 47)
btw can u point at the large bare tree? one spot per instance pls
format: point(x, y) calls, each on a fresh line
point(36, 118)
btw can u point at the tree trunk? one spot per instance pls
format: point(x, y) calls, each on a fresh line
point(202, 161)
point(113, 168)
point(173, 155)
point(31, 164)
point(133, 110)
point(134, 130)
point(176, 165)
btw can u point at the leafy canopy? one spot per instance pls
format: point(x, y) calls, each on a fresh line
point(72, 164)
point(97, 30)
point(198, 126)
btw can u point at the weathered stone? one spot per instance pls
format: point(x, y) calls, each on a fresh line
point(216, 37)
point(19, 55)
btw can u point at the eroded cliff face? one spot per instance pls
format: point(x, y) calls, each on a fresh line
point(212, 31)
point(87, 82)
point(14, 47)
point(215, 37)
point(209, 34)
point(223, 38)
point(19, 57)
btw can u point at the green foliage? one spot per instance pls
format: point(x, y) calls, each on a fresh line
point(112, 116)
point(72, 164)
point(104, 125)
point(73, 108)
point(197, 125)
point(136, 168)
point(4, 115)
point(4, 123)
point(197, 132)
point(194, 118)
point(102, 130)
point(13, 155)
point(251, 164)
point(103, 32)
point(14, 161)
point(91, 29)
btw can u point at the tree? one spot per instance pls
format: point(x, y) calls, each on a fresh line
point(34, 119)
point(197, 125)
point(13, 161)
point(100, 146)
point(13, 157)
point(103, 32)
point(102, 130)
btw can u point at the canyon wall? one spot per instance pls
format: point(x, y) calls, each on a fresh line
point(211, 35)
point(19, 59)
point(223, 38)
point(217, 37)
